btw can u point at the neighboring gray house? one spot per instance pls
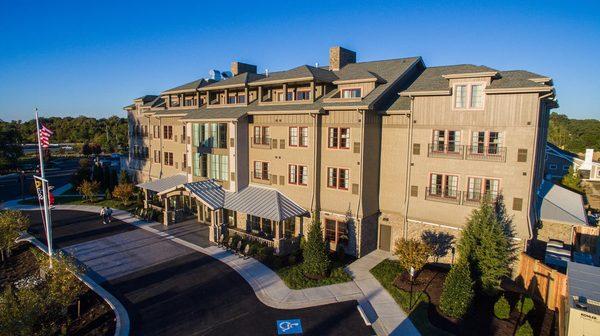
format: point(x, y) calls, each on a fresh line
point(559, 160)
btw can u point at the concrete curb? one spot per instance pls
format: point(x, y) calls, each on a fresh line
point(385, 315)
point(122, 326)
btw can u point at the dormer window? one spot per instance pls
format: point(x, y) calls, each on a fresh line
point(351, 93)
point(302, 95)
point(468, 96)
point(231, 100)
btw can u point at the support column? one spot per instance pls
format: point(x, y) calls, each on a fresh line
point(145, 198)
point(198, 210)
point(285, 88)
point(213, 229)
point(166, 212)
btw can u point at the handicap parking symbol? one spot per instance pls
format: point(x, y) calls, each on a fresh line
point(289, 327)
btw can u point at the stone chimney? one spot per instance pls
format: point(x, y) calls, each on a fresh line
point(338, 57)
point(239, 68)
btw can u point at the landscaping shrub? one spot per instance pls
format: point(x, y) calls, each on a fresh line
point(525, 330)
point(526, 305)
point(123, 192)
point(502, 308)
point(458, 291)
point(89, 189)
point(316, 261)
point(12, 222)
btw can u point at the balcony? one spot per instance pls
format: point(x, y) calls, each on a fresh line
point(486, 153)
point(450, 151)
point(263, 142)
point(474, 198)
point(260, 177)
point(443, 195)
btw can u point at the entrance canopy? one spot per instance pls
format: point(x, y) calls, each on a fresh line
point(256, 201)
point(164, 184)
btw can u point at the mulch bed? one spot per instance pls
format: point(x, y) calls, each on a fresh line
point(97, 318)
point(480, 319)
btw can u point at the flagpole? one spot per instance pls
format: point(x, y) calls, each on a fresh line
point(44, 190)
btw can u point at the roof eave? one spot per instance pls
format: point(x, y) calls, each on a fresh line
point(520, 90)
point(471, 75)
point(281, 81)
point(425, 93)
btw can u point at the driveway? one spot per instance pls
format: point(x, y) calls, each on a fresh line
point(169, 289)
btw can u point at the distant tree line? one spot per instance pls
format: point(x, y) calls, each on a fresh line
point(574, 135)
point(107, 135)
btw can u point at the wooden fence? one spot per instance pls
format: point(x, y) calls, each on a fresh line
point(543, 282)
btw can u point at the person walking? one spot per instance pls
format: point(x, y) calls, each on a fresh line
point(109, 214)
point(103, 215)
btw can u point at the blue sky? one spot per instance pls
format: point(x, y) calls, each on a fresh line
point(91, 58)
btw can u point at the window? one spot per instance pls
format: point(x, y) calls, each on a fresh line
point(261, 170)
point(293, 141)
point(289, 96)
point(298, 174)
point(460, 96)
point(565, 168)
point(443, 185)
point(338, 178)
point(302, 95)
point(468, 96)
point(231, 100)
point(168, 159)
point(168, 132)
point(486, 142)
point(479, 186)
point(156, 156)
point(336, 231)
point(145, 130)
point(303, 136)
point(189, 101)
point(476, 96)
point(184, 162)
point(241, 99)
point(218, 167)
point(553, 166)
point(183, 133)
point(446, 141)
point(351, 93)
point(222, 135)
point(338, 137)
point(261, 135)
point(156, 131)
point(289, 227)
point(254, 223)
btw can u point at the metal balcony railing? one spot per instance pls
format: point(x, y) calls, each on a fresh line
point(474, 198)
point(452, 151)
point(486, 153)
point(445, 195)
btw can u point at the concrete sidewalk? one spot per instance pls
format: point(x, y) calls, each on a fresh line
point(380, 308)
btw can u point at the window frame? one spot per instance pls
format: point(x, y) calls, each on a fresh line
point(337, 178)
point(468, 96)
point(444, 185)
point(351, 89)
point(262, 170)
point(168, 132)
point(263, 139)
point(338, 138)
point(482, 190)
point(297, 176)
point(336, 232)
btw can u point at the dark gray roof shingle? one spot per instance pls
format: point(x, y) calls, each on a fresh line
point(239, 80)
point(191, 86)
point(431, 79)
point(516, 79)
point(303, 71)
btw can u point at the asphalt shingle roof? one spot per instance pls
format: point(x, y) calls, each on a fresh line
point(516, 79)
point(191, 86)
point(431, 78)
point(303, 71)
point(239, 80)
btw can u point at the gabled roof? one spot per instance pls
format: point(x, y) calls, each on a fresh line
point(236, 81)
point(191, 86)
point(146, 98)
point(518, 79)
point(303, 72)
point(431, 79)
point(164, 184)
point(355, 72)
point(558, 204)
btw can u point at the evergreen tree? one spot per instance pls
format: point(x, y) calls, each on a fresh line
point(572, 180)
point(316, 261)
point(458, 291)
point(486, 246)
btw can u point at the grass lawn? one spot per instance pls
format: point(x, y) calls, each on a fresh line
point(294, 279)
point(386, 272)
point(115, 204)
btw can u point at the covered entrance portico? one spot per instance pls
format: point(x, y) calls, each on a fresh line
point(254, 213)
point(165, 196)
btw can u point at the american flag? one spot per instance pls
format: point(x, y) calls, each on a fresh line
point(45, 134)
